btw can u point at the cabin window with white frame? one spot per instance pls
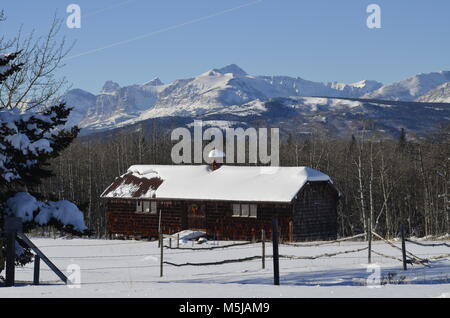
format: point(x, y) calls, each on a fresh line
point(146, 207)
point(236, 210)
point(138, 206)
point(153, 207)
point(253, 211)
point(245, 210)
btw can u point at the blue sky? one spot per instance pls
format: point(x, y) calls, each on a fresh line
point(320, 40)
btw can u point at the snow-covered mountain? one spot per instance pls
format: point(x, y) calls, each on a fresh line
point(82, 102)
point(230, 91)
point(212, 90)
point(410, 89)
point(311, 115)
point(440, 94)
point(116, 104)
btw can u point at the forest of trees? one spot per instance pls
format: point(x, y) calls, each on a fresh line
point(389, 182)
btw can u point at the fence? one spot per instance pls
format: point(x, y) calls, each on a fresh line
point(348, 248)
point(407, 257)
point(431, 245)
point(12, 232)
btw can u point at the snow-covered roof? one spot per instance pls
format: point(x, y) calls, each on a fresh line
point(199, 182)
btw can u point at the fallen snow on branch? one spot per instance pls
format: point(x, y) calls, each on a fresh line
point(25, 206)
point(29, 141)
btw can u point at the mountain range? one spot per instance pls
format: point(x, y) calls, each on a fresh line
point(230, 96)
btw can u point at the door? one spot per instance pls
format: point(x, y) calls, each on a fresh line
point(196, 217)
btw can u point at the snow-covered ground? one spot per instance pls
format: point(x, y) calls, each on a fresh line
point(131, 269)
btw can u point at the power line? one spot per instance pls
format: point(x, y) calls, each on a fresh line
point(173, 27)
point(107, 8)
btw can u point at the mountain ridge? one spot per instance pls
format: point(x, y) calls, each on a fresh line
point(231, 89)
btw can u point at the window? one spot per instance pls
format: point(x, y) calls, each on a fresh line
point(146, 207)
point(253, 211)
point(245, 210)
point(138, 206)
point(236, 210)
point(153, 207)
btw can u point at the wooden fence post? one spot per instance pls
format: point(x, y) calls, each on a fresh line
point(12, 226)
point(369, 255)
point(170, 242)
point(159, 229)
point(37, 265)
point(276, 270)
point(52, 266)
point(10, 258)
point(162, 252)
point(402, 230)
point(263, 241)
point(178, 240)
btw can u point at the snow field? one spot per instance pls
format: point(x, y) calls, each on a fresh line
point(113, 268)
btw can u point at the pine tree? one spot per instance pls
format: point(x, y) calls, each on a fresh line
point(28, 140)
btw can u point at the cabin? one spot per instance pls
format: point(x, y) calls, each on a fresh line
point(226, 202)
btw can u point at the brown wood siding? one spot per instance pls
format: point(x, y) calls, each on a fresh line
point(315, 214)
point(122, 219)
point(218, 222)
point(222, 225)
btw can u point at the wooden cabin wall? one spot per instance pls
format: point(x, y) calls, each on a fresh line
point(219, 222)
point(122, 219)
point(315, 213)
point(223, 226)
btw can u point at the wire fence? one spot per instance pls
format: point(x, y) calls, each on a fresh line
point(427, 244)
point(210, 247)
point(250, 245)
point(347, 253)
point(96, 245)
point(345, 239)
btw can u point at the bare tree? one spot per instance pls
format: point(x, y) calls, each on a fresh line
point(36, 84)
